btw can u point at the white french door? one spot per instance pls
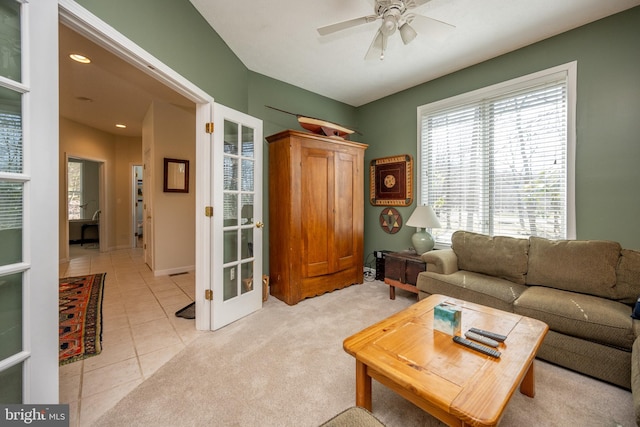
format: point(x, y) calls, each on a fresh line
point(236, 186)
point(28, 201)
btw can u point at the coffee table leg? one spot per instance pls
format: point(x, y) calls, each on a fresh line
point(392, 292)
point(528, 385)
point(363, 386)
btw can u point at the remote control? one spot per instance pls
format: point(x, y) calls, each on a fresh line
point(488, 334)
point(477, 347)
point(481, 339)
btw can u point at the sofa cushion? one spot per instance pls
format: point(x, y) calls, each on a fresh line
point(627, 289)
point(469, 286)
point(578, 315)
point(585, 266)
point(499, 256)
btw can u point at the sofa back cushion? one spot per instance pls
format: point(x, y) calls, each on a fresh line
point(584, 266)
point(627, 288)
point(499, 256)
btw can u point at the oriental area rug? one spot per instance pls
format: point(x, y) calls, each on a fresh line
point(80, 314)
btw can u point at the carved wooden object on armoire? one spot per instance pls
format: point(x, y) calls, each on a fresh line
point(316, 214)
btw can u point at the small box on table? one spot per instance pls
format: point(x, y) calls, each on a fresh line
point(447, 318)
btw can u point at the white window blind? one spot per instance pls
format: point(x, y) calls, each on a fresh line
point(11, 161)
point(497, 161)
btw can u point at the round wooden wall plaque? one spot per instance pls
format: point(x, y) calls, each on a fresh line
point(390, 220)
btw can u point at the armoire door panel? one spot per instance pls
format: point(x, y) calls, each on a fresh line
point(316, 202)
point(344, 214)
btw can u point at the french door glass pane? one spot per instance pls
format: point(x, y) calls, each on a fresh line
point(10, 130)
point(247, 142)
point(230, 138)
point(11, 195)
point(11, 385)
point(230, 283)
point(247, 243)
point(10, 51)
point(247, 277)
point(230, 173)
point(230, 246)
point(11, 319)
point(247, 209)
point(247, 175)
point(230, 209)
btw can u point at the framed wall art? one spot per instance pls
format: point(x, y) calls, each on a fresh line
point(390, 220)
point(390, 181)
point(176, 176)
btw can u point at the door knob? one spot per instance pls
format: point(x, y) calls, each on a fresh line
point(259, 224)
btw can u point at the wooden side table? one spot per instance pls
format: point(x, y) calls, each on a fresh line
point(401, 270)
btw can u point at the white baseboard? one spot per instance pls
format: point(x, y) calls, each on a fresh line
point(176, 270)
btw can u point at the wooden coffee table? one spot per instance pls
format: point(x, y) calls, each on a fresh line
point(455, 384)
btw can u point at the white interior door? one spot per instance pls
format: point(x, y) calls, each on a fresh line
point(237, 221)
point(28, 202)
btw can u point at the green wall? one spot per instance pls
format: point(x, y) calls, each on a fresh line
point(608, 124)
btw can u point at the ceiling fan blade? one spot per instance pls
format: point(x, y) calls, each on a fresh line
point(430, 27)
point(378, 47)
point(329, 29)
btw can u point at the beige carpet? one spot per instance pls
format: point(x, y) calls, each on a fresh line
point(285, 366)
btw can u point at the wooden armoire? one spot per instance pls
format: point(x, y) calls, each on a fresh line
point(316, 214)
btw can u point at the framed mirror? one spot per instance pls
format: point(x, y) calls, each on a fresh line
point(176, 176)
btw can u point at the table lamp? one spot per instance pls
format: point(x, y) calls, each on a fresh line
point(422, 218)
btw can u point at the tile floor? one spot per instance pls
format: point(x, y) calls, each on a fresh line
point(140, 330)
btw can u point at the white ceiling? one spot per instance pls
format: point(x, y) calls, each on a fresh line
point(278, 38)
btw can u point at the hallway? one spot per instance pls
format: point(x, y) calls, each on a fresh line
point(140, 330)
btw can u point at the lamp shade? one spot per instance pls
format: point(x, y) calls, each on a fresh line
point(423, 217)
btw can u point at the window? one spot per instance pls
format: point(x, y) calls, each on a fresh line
point(74, 190)
point(499, 160)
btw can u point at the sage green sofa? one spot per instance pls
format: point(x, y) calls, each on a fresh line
point(584, 290)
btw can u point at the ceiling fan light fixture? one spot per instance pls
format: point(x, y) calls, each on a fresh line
point(407, 33)
point(389, 25)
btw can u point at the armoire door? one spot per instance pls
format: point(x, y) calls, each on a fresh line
point(332, 221)
point(317, 207)
point(347, 223)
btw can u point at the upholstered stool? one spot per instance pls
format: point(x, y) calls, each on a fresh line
point(353, 417)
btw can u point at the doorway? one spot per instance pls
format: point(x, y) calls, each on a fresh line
point(84, 190)
point(137, 203)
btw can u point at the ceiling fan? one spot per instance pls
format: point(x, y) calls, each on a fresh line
point(395, 15)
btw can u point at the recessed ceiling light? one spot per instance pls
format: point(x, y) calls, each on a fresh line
point(80, 58)
point(121, 126)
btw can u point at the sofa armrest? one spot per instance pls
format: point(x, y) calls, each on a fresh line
point(442, 261)
point(635, 378)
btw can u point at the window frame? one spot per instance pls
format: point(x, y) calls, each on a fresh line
point(568, 71)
